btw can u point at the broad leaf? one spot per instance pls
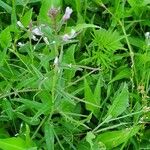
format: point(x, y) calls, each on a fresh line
point(112, 139)
point(69, 60)
point(46, 5)
point(124, 73)
point(25, 20)
point(5, 38)
point(13, 144)
point(120, 102)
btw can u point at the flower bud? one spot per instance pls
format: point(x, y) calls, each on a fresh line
point(67, 14)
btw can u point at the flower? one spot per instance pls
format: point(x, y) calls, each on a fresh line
point(67, 37)
point(20, 44)
point(53, 12)
point(37, 31)
point(67, 14)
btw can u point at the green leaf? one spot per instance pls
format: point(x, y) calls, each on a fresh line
point(89, 138)
point(56, 3)
point(44, 110)
point(25, 2)
point(124, 73)
point(14, 16)
point(28, 82)
point(120, 102)
point(7, 108)
point(49, 136)
point(112, 139)
point(5, 38)
point(25, 20)
point(27, 135)
point(45, 97)
point(29, 103)
point(13, 144)
point(3, 56)
point(29, 120)
point(107, 40)
point(3, 132)
point(137, 42)
point(80, 27)
point(97, 91)
point(89, 97)
point(46, 5)
point(83, 145)
point(5, 6)
point(69, 59)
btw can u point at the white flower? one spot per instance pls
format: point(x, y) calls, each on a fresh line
point(20, 44)
point(20, 24)
point(37, 31)
point(67, 14)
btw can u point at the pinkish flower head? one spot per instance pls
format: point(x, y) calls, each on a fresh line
point(67, 14)
point(53, 12)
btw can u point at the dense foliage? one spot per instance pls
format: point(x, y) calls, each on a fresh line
point(74, 74)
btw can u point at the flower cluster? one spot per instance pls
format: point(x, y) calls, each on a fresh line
point(36, 31)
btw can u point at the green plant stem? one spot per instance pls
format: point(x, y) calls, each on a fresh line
point(133, 69)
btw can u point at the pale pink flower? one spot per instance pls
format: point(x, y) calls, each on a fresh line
point(67, 37)
point(67, 14)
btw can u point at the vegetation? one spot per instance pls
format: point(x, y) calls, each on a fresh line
point(74, 74)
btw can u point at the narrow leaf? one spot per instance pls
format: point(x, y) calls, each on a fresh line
point(97, 91)
point(89, 97)
point(49, 136)
point(5, 6)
